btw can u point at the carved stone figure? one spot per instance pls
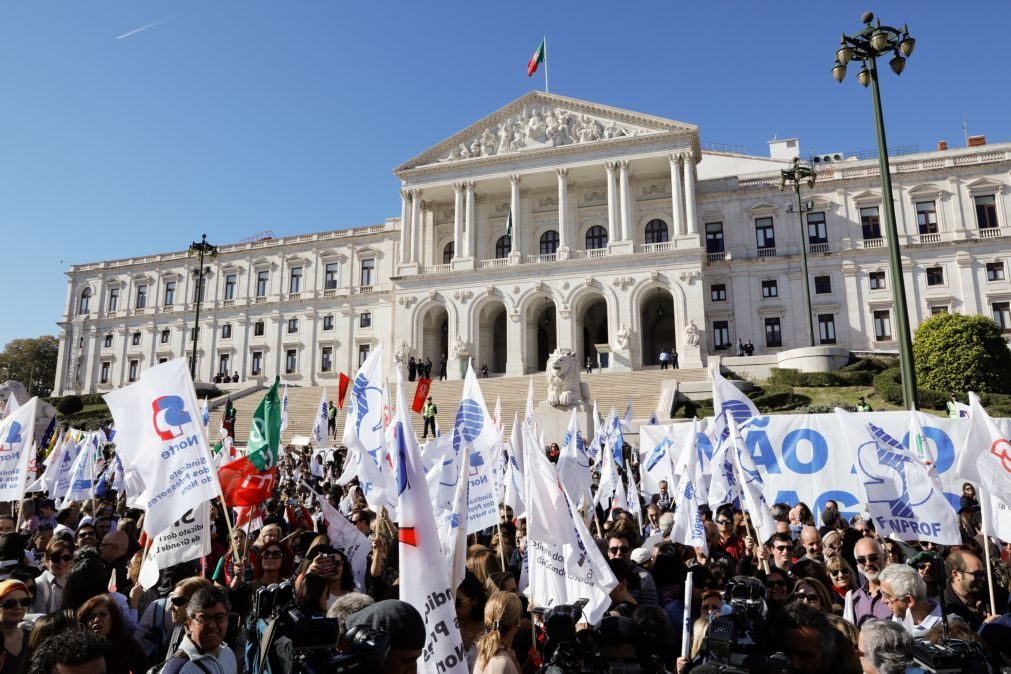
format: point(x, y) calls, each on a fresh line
point(691, 333)
point(44, 412)
point(536, 127)
point(402, 352)
point(463, 151)
point(564, 385)
point(505, 134)
point(459, 346)
point(623, 336)
point(488, 143)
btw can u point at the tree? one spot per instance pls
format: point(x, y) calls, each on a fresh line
point(31, 362)
point(955, 352)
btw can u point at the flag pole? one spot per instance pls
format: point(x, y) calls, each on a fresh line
point(986, 548)
point(741, 490)
point(545, 64)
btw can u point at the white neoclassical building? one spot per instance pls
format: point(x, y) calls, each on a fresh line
point(557, 222)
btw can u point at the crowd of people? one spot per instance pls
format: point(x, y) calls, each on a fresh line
point(824, 594)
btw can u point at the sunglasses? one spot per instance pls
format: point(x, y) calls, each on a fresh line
point(978, 575)
point(873, 559)
point(723, 521)
point(273, 554)
point(179, 601)
point(12, 603)
point(783, 548)
point(618, 549)
point(806, 596)
point(839, 572)
point(60, 558)
point(922, 565)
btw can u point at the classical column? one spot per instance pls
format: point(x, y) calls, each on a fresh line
point(675, 193)
point(612, 200)
point(516, 238)
point(626, 206)
point(563, 208)
point(415, 225)
point(469, 186)
point(405, 226)
point(690, 217)
point(458, 221)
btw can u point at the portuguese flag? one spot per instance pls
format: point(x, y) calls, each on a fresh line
point(536, 60)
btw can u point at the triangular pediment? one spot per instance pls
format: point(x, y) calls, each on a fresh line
point(540, 121)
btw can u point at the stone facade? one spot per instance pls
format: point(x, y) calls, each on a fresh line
point(626, 238)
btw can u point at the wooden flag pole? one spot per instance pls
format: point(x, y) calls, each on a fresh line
point(744, 507)
point(986, 548)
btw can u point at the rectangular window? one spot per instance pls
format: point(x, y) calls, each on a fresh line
point(721, 335)
point(134, 367)
point(226, 331)
point(292, 325)
point(826, 328)
point(108, 341)
point(258, 329)
point(199, 289)
point(141, 296)
point(328, 322)
point(1002, 315)
point(365, 319)
point(165, 336)
point(995, 271)
point(773, 333)
point(230, 282)
point(330, 276)
point(290, 361)
point(113, 299)
point(870, 222)
point(718, 292)
point(816, 230)
point(822, 285)
point(104, 377)
point(986, 211)
point(261, 283)
point(935, 276)
point(926, 217)
point(765, 235)
point(363, 353)
point(770, 289)
point(883, 325)
point(938, 309)
point(162, 360)
point(326, 359)
point(135, 339)
point(256, 363)
point(714, 237)
point(295, 282)
point(368, 272)
point(877, 279)
point(170, 293)
point(223, 363)
point(195, 333)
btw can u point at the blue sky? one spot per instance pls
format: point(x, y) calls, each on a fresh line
point(234, 117)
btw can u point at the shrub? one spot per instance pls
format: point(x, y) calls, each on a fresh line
point(790, 377)
point(888, 385)
point(70, 405)
point(955, 352)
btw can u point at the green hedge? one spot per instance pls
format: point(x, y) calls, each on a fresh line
point(888, 385)
point(791, 377)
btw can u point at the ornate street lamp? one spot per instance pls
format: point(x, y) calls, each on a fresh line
point(794, 176)
point(200, 248)
point(866, 46)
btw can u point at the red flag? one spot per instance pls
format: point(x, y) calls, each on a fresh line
point(243, 485)
point(249, 515)
point(424, 385)
point(342, 389)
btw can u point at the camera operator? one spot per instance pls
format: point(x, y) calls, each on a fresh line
point(406, 629)
point(885, 647)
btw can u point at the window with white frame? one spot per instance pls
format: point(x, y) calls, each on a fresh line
point(926, 217)
point(368, 272)
point(108, 341)
point(883, 325)
point(165, 336)
point(714, 237)
point(262, 279)
point(938, 309)
point(258, 329)
point(721, 335)
point(295, 280)
point(230, 282)
point(870, 223)
point(292, 325)
point(135, 339)
point(1002, 315)
point(935, 276)
point(770, 288)
point(326, 359)
point(995, 271)
point(365, 319)
point(877, 280)
point(141, 296)
point(328, 322)
point(773, 332)
point(817, 231)
point(256, 363)
point(363, 353)
point(986, 211)
point(765, 233)
point(113, 299)
point(223, 363)
point(718, 292)
point(226, 331)
point(330, 276)
point(290, 361)
point(826, 328)
point(104, 376)
point(84, 304)
point(170, 293)
point(134, 370)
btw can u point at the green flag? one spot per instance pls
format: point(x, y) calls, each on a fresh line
point(265, 431)
point(509, 224)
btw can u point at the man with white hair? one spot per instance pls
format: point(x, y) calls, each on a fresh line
point(905, 593)
point(884, 647)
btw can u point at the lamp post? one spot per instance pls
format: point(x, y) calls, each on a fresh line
point(200, 248)
point(866, 46)
point(794, 176)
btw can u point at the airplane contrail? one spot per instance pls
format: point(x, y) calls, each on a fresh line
point(138, 30)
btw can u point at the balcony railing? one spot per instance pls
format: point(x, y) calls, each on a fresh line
point(436, 269)
point(591, 253)
point(717, 257)
point(663, 247)
point(543, 257)
point(929, 238)
point(767, 252)
point(262, 299)
point(294, 297)
point(818, 248)
point(989, 233)
point(873, 243)
point(494, 262)
point(330, 292)
point(228, 303)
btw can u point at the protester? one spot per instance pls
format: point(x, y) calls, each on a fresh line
point(885, 647)
point(501, 623)
point(203, 648)
point(14, 603)
point(101, 615)
point(76, 651)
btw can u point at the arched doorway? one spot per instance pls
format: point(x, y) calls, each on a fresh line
point(541, 333)
point(434, 335)
point(656, 316)
point(592, 327)
point(491, 321)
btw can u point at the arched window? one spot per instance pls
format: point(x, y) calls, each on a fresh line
point(549, 242)
point(596, 237)
point(448, 252)
point(502, 247)
point(84, 306)
point(656, 232)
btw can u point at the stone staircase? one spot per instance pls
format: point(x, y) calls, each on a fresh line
point(643, 388)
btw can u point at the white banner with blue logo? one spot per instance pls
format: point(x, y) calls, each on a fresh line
point(17, 432)
point(159, 435)
point(188, 539)
point(476, 433)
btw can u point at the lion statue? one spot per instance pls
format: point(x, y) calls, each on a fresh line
point(564, 385)
point(44, 412)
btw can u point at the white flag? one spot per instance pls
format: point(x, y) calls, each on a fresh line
point(158, 435)
point(82, 474)
point(901, 496)
point(728, 400)
point(657, 447)
point(514, 494)
point(421, 557)
point(751, 484)
point(529, 415)
point(346, 537)
point(688, 526)
point(985, 459)
point(497, 415)
point(12, 404)
point(375, 483)
point(59, 475)
point(17, 435)
point(627, 419)
point(364, 428)
point(189, 538)
point(319, 427)
point(565, 564)
point(609, 481)
point(634, 506)
point(574, 463)
point(452, 526)
point(442, 471)
point(284, 408)
point(476, 429)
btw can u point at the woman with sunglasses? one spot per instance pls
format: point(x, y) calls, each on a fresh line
point(841, 573)
point(274, 564)
point(14, 603)
point(49, 585)
point(777, 585)
point(814, 594)
point(164, 623)
point(101, 616)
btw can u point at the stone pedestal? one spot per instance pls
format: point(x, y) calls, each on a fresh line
point(464, 358)
point(554, 421)
point(690, 356)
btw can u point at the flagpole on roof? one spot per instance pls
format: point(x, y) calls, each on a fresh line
point(545, 64)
